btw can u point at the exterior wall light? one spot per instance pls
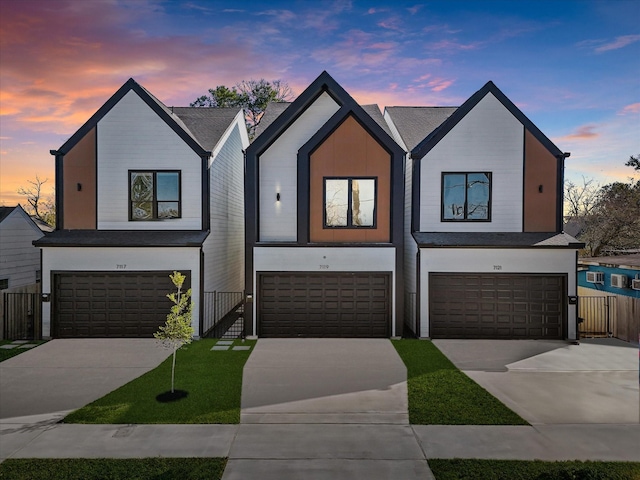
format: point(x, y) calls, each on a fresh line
point(278, 197)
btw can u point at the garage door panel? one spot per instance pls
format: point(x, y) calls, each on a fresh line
point(107, 304)
point(510, 305)
point(334, 305)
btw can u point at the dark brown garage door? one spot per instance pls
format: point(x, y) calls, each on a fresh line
point(496, 306)
point(324, 305)
point(99, 304)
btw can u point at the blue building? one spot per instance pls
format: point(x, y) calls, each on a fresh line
point(614, 275)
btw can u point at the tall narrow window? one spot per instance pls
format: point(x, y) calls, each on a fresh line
point(349, 202)
point(466, 196)
point(154, 195)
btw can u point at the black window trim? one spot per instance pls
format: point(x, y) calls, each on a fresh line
point(155, 195)
point(349, 225)
point(465, 219)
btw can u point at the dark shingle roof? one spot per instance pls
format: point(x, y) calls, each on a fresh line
point(414, 124)
point(495, 239)
point(273, 111)
point(122, 238)
point(374, 112)
point(5, 211)
point(206, 124)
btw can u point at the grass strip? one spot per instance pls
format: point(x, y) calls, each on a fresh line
point(532, 470)
point(212, 381)
point(112, 469)
point(440, 394)
point(6, 354)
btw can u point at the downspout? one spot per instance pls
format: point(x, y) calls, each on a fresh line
point(58, 184)
point(560, 203)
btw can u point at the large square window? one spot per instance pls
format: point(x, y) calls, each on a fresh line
point(466, 197)
point(154, 195)
point(349, 202)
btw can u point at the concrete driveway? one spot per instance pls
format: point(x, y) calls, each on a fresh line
point(553, 382)
point(314, 380)
point(63, 375)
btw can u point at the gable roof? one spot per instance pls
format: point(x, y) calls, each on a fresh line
point(415, 123)
point(323, 84)
point(207, 124)
point(5, 212)
point(436, 135)
point(170, 118)
point(275, 109)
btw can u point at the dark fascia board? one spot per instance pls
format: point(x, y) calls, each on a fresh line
point(438, 134)
point(130, 84)
point(324, 83)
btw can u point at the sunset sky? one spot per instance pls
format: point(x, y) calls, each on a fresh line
point(573, 67)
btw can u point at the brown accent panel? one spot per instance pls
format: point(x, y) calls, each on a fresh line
point(105, 304)
point(299, 304)
point(505, 306)
point(79, 168)
point(350, 151)
point(540, 168)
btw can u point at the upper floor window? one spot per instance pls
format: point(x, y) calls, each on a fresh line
point(154, 195)
point(4, 283)
point(349, 202)
point(466, 197)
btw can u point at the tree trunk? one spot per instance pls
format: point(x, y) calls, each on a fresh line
point(173, 367)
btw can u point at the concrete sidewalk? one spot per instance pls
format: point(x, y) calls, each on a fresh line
point(321, 451)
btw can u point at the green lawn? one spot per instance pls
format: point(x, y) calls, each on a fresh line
point(440, 394)
point(532, 470)
point(113, 469)
point(6, 354)
point(212, 379)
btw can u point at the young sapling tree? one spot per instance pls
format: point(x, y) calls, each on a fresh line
point(177, 330)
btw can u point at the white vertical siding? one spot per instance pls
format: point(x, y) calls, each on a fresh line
point(224, 247)
point(19, 259)
point(132, 137)
point(278, 172)
point(485, 260)
point(488, 139)
point(108, 259)
point(410, 251)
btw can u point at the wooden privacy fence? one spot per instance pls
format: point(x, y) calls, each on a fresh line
point(22, 316)
point(609, 316)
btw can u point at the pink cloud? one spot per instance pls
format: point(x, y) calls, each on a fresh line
point(392, 23)
point(439, 84)
point(55, 79)
point(619, 42)
point(415, 9)
point(633, 108)
point(585, 132)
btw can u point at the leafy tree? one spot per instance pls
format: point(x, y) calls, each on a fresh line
point(177, 331)
point(43, 208)
point(608, 216)
point(634, 162)
point(614, 223)
point(251, 95)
